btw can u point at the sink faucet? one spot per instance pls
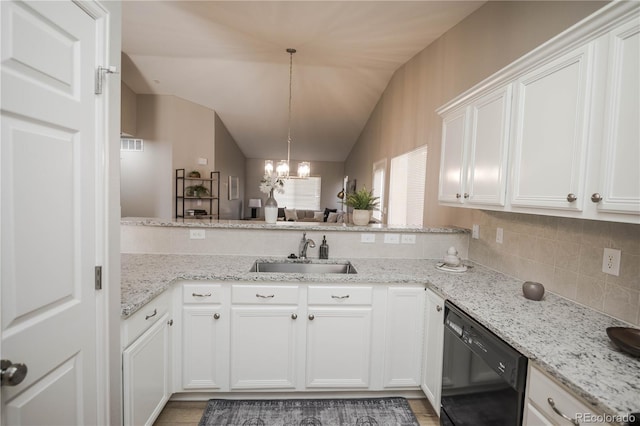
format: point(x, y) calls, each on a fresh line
point(302, 247)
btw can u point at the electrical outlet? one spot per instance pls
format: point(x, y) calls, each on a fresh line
point(367, 238)
point(408, 239)
point(475, 231)
point(499, 235)
point(611, 262)
point(392, 238)
point(196, 234)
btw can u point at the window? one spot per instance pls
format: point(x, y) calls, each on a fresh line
point(379, 171)
point(302, 194)
point(406, 188)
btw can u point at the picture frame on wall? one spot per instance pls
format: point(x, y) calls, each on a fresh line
point(234, 187)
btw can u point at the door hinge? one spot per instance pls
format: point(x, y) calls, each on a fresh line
point(100, 72)
point(98, 277)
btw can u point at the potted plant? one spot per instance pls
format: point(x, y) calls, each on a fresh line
point(196, 191)
point(362, 202)
point(194, 174)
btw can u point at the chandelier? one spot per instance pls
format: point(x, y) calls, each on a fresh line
point(282, 168)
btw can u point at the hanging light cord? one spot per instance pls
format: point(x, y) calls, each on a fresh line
point(291, 52)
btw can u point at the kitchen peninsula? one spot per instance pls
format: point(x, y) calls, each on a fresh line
point(566, 340)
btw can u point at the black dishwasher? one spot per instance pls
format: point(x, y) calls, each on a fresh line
point(483, 378)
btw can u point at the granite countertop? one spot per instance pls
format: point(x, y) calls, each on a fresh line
point(567, 340)
point(282, 225)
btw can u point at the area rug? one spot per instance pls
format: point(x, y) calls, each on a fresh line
point(309, 412)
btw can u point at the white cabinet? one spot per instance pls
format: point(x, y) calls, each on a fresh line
point(147, 361)
point(433, 349)
point(475, 136)
point(452, 167)
point(618, 188)
point(404, 336)
point(146, 368)
point(551, 132)
point(567, 141)
point(339, 331)
point(549, 403)
point(265, 338)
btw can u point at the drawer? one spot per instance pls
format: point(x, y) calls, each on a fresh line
point(542, 387)
point(341, 295)
point(265, 294)
point(202, 293)
point(145, 317)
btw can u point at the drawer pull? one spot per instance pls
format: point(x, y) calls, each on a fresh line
point(155, 312)
point(552, 403)
point(201, 295)
point(339, 297)
point(262, 296)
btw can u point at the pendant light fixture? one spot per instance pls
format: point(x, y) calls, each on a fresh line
point(282, 168)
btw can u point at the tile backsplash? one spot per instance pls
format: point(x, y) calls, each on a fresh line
point(565, 255)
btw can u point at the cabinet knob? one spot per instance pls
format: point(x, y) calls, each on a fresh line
point(458, 195)
point(438, 308)
point(311, 317)
point(596, 197)
point(571, 197)
point(466, 195)
point(216, 316)
point(294, 316)
point(170, 322)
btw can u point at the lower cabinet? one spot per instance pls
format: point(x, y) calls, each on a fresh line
point(549, 403)
point(296, 337)
point(146, 369)
point(433, 349)
point(404, 334)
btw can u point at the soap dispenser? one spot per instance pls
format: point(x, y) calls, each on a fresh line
point(324, 248)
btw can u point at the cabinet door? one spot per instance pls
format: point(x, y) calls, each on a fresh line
point(264, 343)
point(551, 133)
point(338, 347)
point(433, 349)
point(452, 168)
point(404, 335)
point(205, 347)
point(620, 177)
point(487, 153)
point(146, 371)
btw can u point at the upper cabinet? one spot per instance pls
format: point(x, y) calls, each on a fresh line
point(557, 131)
point(550, 134)
point(618, 187)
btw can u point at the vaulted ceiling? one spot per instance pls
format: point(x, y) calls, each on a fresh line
point(231, 56)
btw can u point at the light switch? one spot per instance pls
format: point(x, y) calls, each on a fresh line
point(408, 239)
point(367, 238)
point(196, 234)
point(392, 238)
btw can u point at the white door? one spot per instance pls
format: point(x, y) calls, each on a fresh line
point(454, 135)
point(433, 349)
point(48, 218)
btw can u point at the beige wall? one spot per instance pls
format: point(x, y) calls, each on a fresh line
point(483, 43)
point(564, 254)
point(128, 110)
point(230, 161)
point(176, 134)
point(332, 174)
point(146, 181)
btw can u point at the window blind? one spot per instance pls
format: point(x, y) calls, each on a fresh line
point(302, 194)
point(406, 188)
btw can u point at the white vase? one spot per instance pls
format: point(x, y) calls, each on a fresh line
point(361, 217)
point(271, 209)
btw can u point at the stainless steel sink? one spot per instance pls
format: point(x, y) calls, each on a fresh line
point(292, 267)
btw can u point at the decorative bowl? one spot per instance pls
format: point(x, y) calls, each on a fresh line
point(533, 290)
point(625, 338)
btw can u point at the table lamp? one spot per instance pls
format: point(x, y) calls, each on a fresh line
point(254, 203)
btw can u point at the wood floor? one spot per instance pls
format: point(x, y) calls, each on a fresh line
point(188, 413)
